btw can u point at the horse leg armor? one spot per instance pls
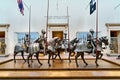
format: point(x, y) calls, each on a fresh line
point(97, 57)
point(29, 56)
point(76, 58)
point(69, 56)
point(49, 56)
point(82, 57)
point(22, 54)
point(37, 57)
point(15, 53)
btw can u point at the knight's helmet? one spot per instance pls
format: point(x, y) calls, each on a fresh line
point(26, 34)
point(43, 31)
point(91, 31)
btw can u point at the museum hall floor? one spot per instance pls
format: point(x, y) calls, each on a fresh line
point(109, 68)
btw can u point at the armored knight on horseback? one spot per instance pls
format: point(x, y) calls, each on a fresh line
point(26, 42)
point(41, 40)
point(90, 47)
point(90, 39)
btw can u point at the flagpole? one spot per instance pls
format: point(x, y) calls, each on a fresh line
point(117, 6)
point(96, 25)
point(29, 21)
point(68, 30)
point(47, 22)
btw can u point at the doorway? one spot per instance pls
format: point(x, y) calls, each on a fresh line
point(115, 41)
point(2, 42)
point(57, 34)
point(2, 34)
point(113, 30)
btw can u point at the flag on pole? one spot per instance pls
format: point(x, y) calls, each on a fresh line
point(92, 6)
point(20, 5)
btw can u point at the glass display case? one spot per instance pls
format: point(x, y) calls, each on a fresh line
point(21, 35)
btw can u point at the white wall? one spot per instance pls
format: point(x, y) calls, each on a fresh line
point(80, 19)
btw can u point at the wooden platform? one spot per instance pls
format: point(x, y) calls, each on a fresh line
point(59, 70)
point(107, 69)
point(59, 65)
